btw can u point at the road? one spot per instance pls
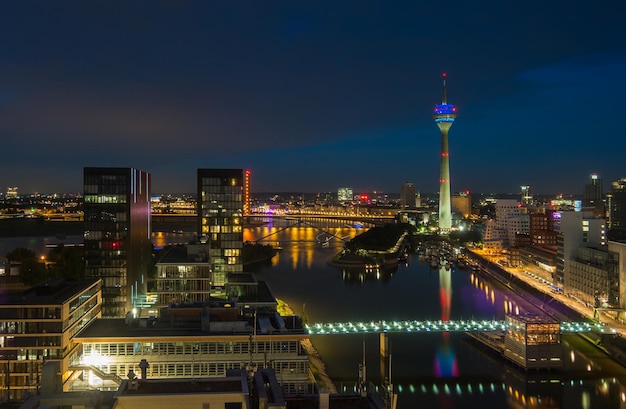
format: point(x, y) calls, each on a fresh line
point(541, 281)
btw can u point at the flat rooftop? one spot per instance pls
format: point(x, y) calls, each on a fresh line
point(259, 290)
point(52, 291)
point(242, 278)
point(115, 329)
point(185, 254)
point(186, 386)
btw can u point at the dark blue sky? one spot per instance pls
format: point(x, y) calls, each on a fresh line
point(313, 95)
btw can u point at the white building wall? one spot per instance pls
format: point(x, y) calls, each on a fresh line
point(578, 229)
point(517, 224)
point(507, 211)
point(506, 208)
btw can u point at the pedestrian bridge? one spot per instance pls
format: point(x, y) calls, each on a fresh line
point(438, 326)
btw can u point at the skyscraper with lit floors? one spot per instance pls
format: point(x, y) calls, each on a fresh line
point(220, 219)
point(118, 247)
point(444, 117)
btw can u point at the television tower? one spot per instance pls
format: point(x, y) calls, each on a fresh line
point(444, 117)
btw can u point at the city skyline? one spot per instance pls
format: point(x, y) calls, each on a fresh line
point(312, 97)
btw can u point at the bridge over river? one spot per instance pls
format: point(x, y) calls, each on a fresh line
point(439, 326)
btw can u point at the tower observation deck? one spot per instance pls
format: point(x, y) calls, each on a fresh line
point(444, 117)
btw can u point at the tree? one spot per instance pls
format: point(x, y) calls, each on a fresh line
point(32, 271)
point(67, 262)
point(466, 236)
point(487, 211)
point(20, 254)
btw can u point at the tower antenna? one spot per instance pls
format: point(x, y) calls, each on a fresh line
point(444, 100)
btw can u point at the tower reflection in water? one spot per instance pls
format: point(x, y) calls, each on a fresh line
point(445, 359)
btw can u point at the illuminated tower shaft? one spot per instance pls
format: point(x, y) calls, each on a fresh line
point(445, 216)
point(444, 117)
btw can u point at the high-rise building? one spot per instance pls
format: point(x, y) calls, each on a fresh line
point(118, 248)
point(527, 195)
point(444, 117)
point(616, 203)
point(407, 195)
point(593, 195)
point(220, 219)
point(345, 194)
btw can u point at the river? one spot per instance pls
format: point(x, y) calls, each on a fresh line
point(428, 370)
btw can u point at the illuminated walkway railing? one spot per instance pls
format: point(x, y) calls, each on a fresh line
point(437, 326)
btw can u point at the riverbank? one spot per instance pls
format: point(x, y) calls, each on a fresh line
point(26, 227)
point(560, 306)
point(318, 368)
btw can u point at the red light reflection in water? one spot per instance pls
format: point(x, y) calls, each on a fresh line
point(445, 358)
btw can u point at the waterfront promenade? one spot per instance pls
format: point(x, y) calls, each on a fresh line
point(532, 277)
point(540, 281)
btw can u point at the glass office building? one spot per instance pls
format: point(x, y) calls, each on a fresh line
point(117, 235)
point(220, 220)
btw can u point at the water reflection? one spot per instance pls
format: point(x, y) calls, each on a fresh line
point(371, 273)
point(445, 359)
point(298, 241)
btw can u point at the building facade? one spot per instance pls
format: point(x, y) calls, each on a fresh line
point(12, 192)
point(575, 230)
point(407, 195)
point(220, 219)
point(201, 340)
point(619, 249)
point(183, 275)
point(593, 196)
point(118, 247)
point(593, 277)
point(509, 223)
point(616, 204)
point(38, 325)
point(345, 194)
point(527, 198)
point(461, 203)
point(533, 342)
point(542, 229)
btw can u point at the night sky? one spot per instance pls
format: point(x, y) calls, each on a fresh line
point(313, 95)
